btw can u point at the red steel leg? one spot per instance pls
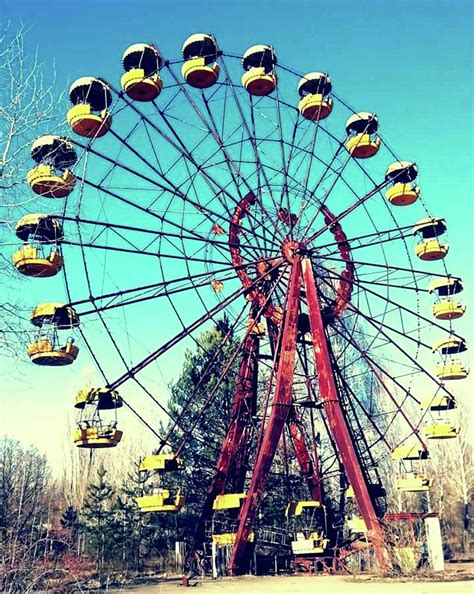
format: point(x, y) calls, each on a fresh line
point(336, 419)
point(280, 408)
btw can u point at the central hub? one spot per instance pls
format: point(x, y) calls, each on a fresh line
point(289, 248)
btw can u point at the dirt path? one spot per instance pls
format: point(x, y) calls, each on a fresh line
point(304, 585)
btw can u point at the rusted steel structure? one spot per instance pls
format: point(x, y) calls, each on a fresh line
point(228, 206)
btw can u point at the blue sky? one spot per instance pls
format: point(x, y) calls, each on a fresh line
point(408, 61)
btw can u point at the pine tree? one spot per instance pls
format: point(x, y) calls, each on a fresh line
point(203, 368)
point(97, 520)
point(132, 526)
point(70, 521)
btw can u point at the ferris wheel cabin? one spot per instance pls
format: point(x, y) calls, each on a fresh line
point(200, 68)
point(362, 140)
point(40, 256)
point(409, 452)
point(91, 98)
point(403, 190)
point(224, 528)
point(93, 431)
point(156, 496)
point(445, 307)
point(48, 349)
point(315, 103)
point(438, 403)
point(413, 483)
point(260, 77)
point(441, 430)
point(51, 177)
point(452, 369)
point(308, 522)
point(142, 63)
point(430, 247)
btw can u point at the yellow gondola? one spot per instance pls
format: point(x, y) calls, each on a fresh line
point(442, 430)
point(156, 496)
point(31, 261)
point(105, 436)
point(259, 63)
point(413, 483)
point(93, 431)
point(200, 68)
point(228, 501)
point(445, 286)
point(162, 500)
point(222, 503)
point(309, 532)
point(438, 403)
point(161, 463)
point(403, 190)
point(51, 177)
point(450, 346)
point(362, 140)
point(315, 103)
point(409, 452)
point(448, 309)
point(51, 353)
point(44, 181)
point(41, 255)
point(47, 348)
point(59, 315)
point(430, 247)
point(89, 115)
point(452, 369)
point(142, 63)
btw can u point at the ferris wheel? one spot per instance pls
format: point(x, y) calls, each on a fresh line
point(220, 184)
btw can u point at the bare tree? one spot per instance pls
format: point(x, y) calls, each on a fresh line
point(28, 108)
point(452, 465)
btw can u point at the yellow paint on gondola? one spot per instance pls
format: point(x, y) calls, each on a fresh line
point(413, 483)
point(29, 261)
point(86, 123)
point(363, 146)
point(228, 501)
point(43, 180)
point(97, 437)
point(161, 501)
point(441, 431)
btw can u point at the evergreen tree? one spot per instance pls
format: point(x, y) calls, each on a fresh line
point(70, 521)
point(201, 372)
point(97, 520)
point(138, 533)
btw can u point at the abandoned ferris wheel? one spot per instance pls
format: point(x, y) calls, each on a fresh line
point(224, 184)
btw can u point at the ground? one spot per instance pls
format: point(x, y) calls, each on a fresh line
point(307, 585)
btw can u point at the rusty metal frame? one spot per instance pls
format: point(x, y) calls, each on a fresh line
point(337, 422)
point(281, 404)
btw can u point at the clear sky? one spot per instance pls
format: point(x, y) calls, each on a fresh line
point(410, 61)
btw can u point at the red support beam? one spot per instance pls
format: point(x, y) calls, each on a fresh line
point(282, 400)
point(336, 419)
